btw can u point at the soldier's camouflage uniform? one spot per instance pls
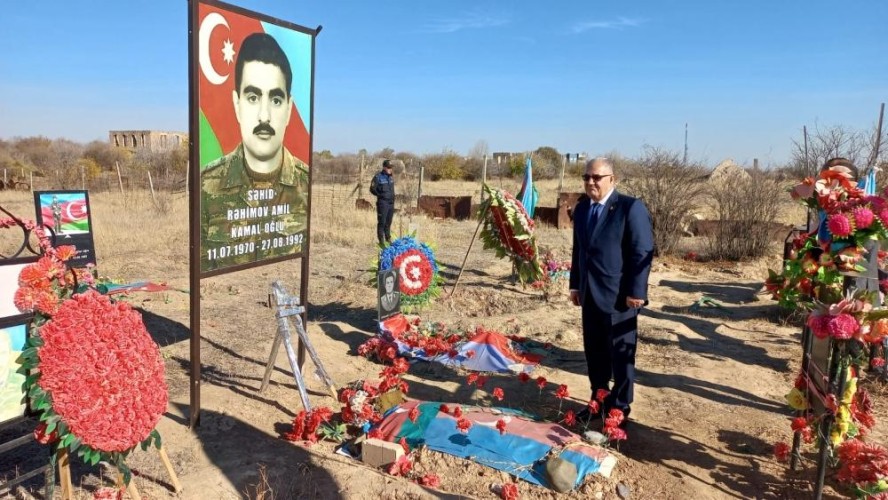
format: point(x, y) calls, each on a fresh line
point(224, 185)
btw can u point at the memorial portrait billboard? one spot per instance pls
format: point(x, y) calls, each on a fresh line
point(253, 78)
point(66, 216)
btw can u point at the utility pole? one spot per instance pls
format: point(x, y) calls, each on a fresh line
point(685, 160)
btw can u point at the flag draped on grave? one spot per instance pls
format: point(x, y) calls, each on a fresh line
point(481, 350)
point(521, 448)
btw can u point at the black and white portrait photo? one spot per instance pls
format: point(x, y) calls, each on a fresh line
point(389, 293)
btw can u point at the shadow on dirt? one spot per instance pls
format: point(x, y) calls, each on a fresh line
point(716, 345)
point(289, 470)
point(730, 293)
point(707, 390)
point(163, 330)
point(687, 459)
point(356, 317)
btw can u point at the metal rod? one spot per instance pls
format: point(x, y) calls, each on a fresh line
point(471, 243)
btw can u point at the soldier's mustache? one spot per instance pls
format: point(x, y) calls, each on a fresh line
point(263, 128)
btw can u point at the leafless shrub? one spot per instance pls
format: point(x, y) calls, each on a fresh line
point(746, 206)
point(671, 190)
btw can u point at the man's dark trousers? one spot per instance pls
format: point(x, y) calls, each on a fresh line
point(385, 210)
point(609, 342)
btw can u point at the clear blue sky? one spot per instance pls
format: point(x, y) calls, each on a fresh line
point(426, 76)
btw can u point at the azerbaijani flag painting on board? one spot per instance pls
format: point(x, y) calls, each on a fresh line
point(220, 33)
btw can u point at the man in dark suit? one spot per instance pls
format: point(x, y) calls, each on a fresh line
point(613, 245)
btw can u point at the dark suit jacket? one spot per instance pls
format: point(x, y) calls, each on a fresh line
point(612, 262)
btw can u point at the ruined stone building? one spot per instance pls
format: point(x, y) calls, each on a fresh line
point(151, 140)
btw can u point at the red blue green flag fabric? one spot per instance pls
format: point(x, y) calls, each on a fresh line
point(521, 449)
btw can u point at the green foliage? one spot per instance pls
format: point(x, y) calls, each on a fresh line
point(333, 432)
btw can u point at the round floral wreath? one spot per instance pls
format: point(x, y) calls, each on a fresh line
point(417, 270)
point(509, 231)
point(118, 394)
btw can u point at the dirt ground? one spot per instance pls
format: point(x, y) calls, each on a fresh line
point(709, 394)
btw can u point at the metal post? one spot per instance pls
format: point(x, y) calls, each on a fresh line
point(421, 176)
point(483, 176)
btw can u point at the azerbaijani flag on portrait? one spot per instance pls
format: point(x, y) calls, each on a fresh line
point(73, 211)
point(220, 35)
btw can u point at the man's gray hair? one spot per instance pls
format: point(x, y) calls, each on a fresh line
point(603, 160)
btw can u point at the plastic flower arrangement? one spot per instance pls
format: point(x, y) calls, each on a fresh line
point(420, 281)
point(508, 230)
point(812, 280)
point(118, 394)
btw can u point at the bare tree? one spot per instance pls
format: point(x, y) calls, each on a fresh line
point(671, 191)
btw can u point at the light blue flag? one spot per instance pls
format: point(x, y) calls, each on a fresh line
point(528, 195)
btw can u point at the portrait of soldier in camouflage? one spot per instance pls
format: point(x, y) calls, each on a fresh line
point(254, 199)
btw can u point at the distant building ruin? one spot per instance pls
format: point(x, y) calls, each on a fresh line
point(150, 140)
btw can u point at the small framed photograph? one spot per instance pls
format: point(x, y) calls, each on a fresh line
point(389, 293)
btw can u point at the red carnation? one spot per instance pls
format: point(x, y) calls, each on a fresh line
point(509, 492)
point(457, 412)
point(616, 433)
point(600, 394)
point(781, 451)
point(463, 424)
point(523, 377)
point(42, 437)
point(481, 381)
point(498, 393)
point(444, 408)
point(501, 426)
point(594, 407)
point(413, 414)
point(541, 382)
point(472, 378)
point(570, 418)
point(431, 480)
point(877, 362)
point(562, 392)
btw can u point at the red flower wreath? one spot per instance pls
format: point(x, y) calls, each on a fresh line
point(103, 371)
point(415, 271)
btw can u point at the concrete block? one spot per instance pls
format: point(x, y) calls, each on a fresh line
point(379, 453)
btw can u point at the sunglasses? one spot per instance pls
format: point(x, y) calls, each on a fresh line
point(596, 178)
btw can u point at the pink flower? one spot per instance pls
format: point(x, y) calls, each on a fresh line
point(498, 393)
point(842, 326)
point(840, 225)
point(863, 217)
point(594, 407)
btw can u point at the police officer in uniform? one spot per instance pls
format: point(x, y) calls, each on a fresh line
point(383, 187)
point(254, 199)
